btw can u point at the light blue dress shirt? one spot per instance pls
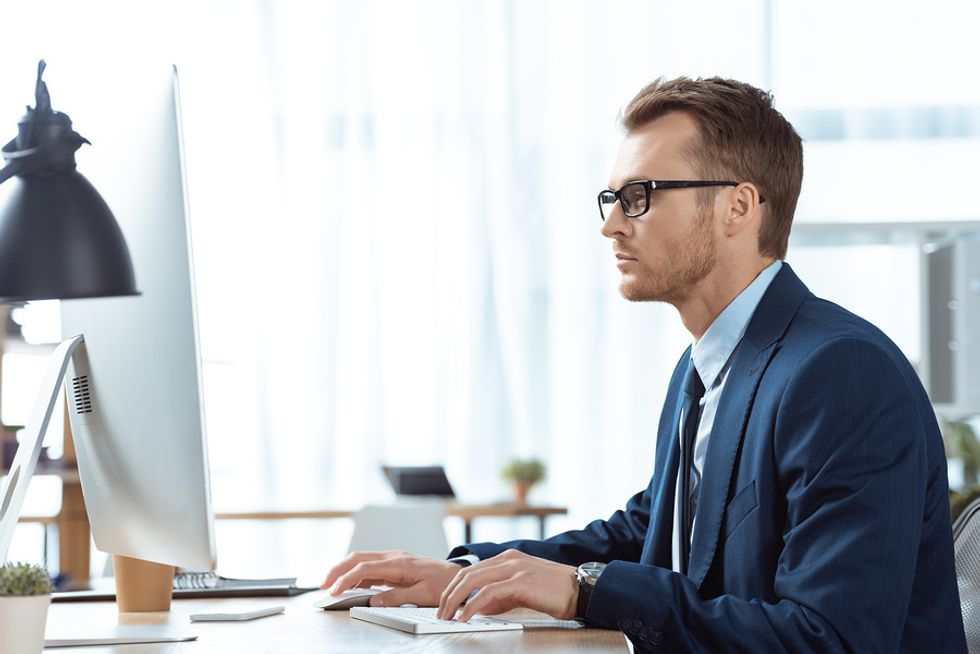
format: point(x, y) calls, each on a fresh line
point(713, 359)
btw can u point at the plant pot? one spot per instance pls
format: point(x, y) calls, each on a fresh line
point(22, 621)
point(521, 489)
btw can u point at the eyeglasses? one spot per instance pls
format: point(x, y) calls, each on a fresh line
point(634, 197)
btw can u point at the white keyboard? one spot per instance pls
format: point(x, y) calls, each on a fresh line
point(424, 621)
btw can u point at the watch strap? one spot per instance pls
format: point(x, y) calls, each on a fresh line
point(584, 597)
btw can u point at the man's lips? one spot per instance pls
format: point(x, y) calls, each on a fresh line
point(620, 257)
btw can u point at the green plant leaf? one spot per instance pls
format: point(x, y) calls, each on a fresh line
point(24, 579)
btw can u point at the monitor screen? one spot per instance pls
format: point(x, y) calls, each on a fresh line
point(134, 390)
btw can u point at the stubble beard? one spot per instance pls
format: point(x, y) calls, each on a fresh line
point(674, 277)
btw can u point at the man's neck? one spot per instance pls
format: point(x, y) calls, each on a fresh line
point(710, 296)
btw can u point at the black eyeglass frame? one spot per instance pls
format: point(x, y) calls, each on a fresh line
point(658, 185)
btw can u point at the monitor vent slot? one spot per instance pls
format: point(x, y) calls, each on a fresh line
point(82, 396)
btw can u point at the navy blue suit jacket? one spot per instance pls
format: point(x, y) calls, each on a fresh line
point(823, 519)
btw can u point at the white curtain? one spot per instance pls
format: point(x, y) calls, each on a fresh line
point(419, 272)
point(396, 236)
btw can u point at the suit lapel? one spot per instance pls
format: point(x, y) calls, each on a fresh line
point(726, 436)
point(659, 541)
point(657, 546)
point(753, 354)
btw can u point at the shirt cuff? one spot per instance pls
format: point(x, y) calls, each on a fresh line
point(466, 560)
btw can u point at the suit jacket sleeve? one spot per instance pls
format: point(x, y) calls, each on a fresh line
point(619, 537)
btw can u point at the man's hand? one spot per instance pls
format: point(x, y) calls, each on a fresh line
point(417, 580)
point(510, 580)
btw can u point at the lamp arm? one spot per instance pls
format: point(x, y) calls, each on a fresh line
point(22, 469)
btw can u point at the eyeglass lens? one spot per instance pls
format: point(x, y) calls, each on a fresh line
point(632, 198)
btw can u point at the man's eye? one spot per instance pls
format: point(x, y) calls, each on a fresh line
point(634, 199)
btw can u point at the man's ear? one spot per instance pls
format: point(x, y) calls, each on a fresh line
point(742, 208)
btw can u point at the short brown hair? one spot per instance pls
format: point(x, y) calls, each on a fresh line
point(741, 136)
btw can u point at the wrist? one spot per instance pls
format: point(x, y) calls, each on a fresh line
point(586, 576)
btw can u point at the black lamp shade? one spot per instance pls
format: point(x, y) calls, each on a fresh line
point(59, 240)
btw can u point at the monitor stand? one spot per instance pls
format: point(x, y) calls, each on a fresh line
point(142, 586)
point(22, 469)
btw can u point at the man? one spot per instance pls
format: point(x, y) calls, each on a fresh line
point(799, 499)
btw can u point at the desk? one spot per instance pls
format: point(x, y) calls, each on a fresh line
point(468, 512)
point(304, 628)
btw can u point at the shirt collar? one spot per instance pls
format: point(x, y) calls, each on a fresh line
point(713, 350)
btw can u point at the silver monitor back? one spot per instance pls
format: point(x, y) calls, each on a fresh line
point(135, 393)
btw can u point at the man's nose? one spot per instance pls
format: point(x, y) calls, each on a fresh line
point(616, 222)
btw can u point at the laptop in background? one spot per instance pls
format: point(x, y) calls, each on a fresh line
point(413, 481)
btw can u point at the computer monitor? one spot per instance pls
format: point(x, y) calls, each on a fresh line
point(134, 389)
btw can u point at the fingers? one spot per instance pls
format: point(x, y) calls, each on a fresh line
point(344, 566)
point(468, 580)
point(447, 603)
point(388, 571)
point(509, 580)
point(496, 597)
point(352, 560)
point(395, 597)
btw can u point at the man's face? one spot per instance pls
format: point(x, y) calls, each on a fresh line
point(665, 252)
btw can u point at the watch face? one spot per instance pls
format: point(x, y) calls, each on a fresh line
point(592, 567)
point(588, 572)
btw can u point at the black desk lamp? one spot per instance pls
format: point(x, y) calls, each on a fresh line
point(58, 240)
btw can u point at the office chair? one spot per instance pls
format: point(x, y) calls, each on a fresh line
point(416, 527)
point(966, 547)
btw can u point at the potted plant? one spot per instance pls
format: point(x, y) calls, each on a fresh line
point(25, 593)
point(523, 474)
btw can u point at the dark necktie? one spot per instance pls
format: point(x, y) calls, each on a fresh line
point(693, 392)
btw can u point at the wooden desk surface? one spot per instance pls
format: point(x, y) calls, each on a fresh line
point(304, 628)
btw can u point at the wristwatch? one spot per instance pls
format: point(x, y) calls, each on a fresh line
point(586, 575)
